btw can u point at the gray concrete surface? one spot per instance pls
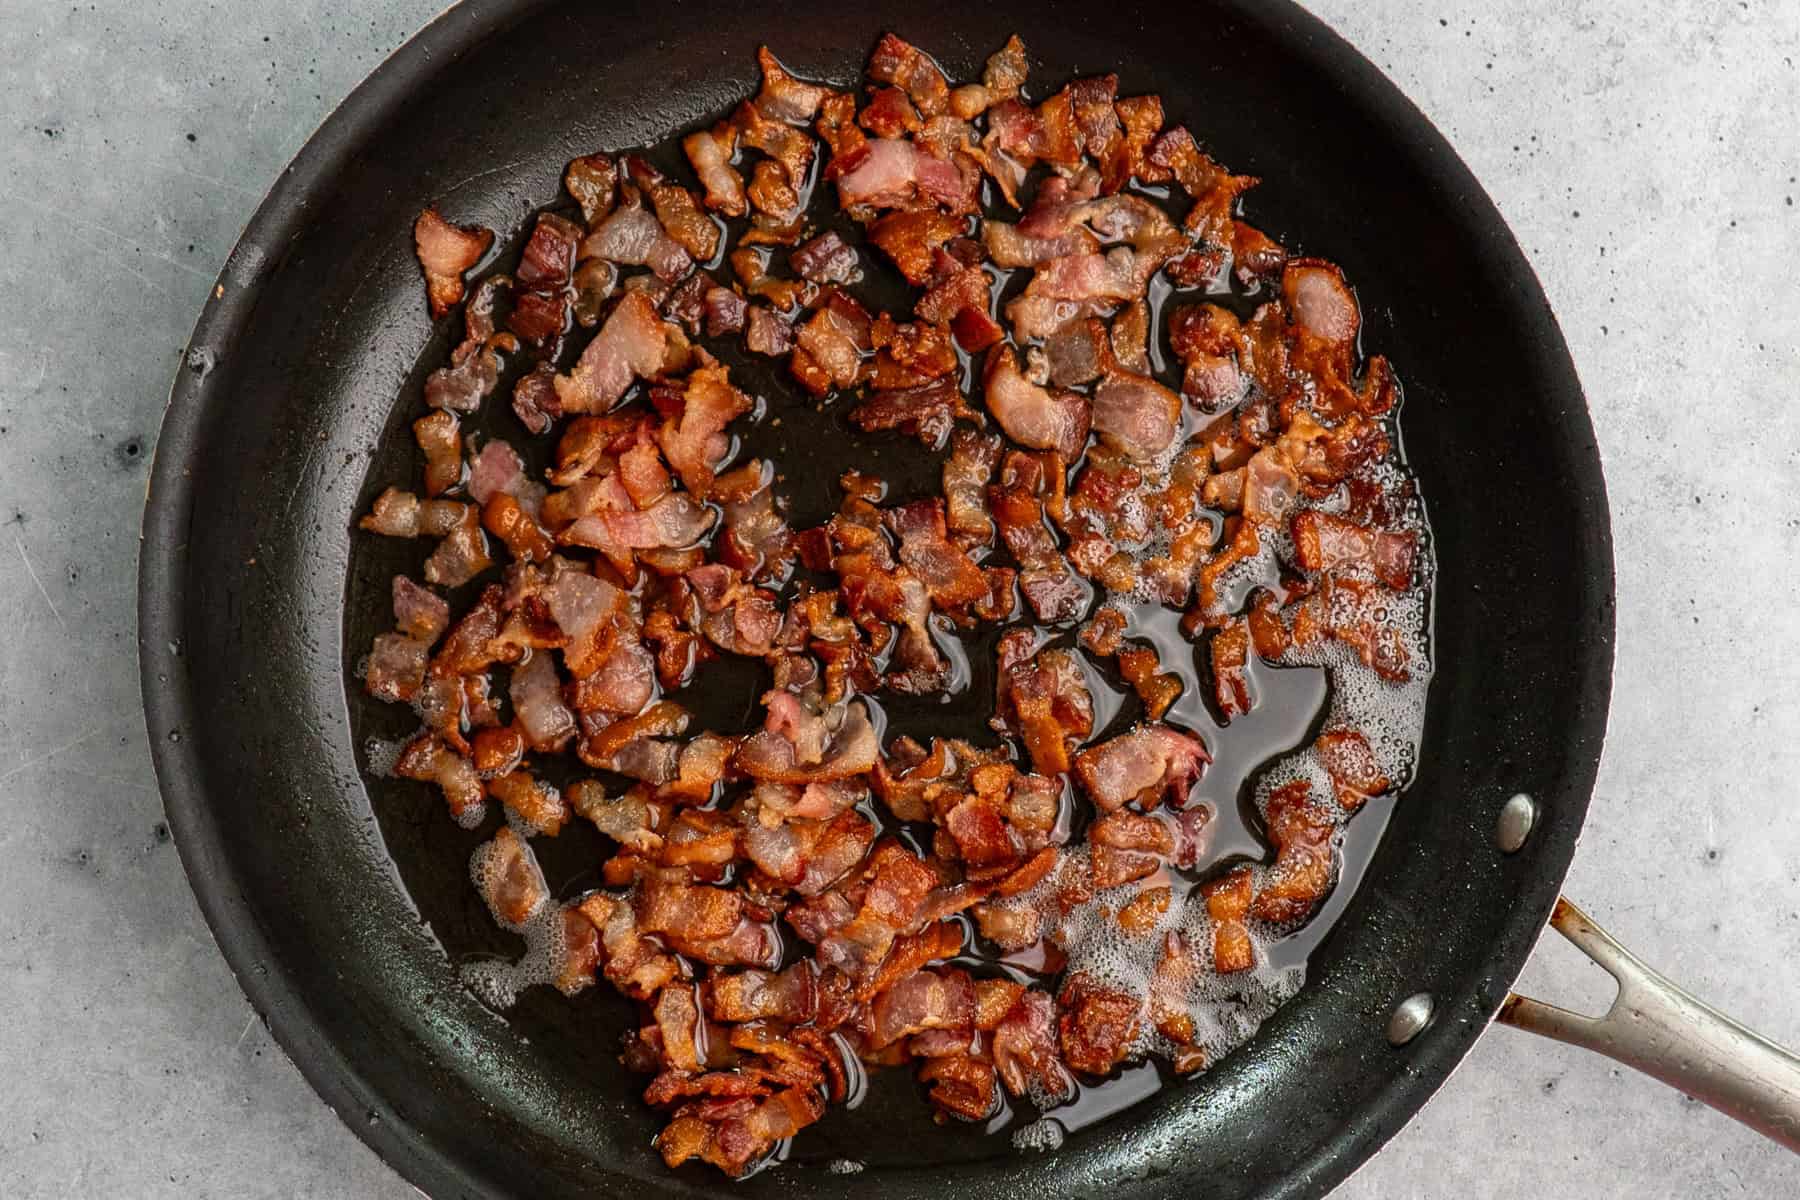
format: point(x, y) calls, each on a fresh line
point(1645, 155)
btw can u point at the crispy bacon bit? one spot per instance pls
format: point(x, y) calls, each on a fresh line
point(767, 333)
point(546, 269)
point(973, 456)
point(1136, 415)
point(826, 259)
point(1032, 415)
point(947, 572)
point(911, 240)
point(894, 173)
point(927, 411)
point(447, 252)
point(901, 63)
point(593, 180)
point(1097, 1026)
point(507, 874)
point(536, 694)
point(1042, 698)
point(1143, 766)
point(1230, 656)
point(633, 236)
point(784, 97)
point(1348, 759)
point(1304, 859)
point(693, 439)
point(1227, 903)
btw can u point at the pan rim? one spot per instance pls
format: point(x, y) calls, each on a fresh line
point(169, 508)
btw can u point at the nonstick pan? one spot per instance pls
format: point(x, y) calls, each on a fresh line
point(337, 912)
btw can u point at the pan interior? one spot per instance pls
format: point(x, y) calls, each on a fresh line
point(271, 451)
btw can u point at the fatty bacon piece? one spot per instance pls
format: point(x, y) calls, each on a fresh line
point(446, 253)
point(1016, 501)
point(1033, 415)
point(397, 661)
point(897, 173)
point(805, 741)
point(630, 345)
point(631, 235)
point(1150, 762)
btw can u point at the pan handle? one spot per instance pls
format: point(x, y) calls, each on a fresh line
point(1662, 1031)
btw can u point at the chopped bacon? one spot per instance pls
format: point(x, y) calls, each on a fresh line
point(1327, 542)
point(894, 173)
point(901, 63)
point(629, 346)
point(474, 365)
point(923, 1000)
point(1355, 773)
point(798, 745)
point(710, 151)
point(911, 239)
point(507, 875)
point(593, 181)
point(693, 439)
point(1050, 587)
point(676, 209)
point(440, 440)
point(784, 97)
point(973, 456)
point(790, 997)
point(1025, 1051)
point(1304, 859)
point(446, 253)
point(1098, 1026)
point(1136, 415)
point(429, 759)
point(927, 411)
point(1033, 415)
point(546, 268)
point(735, 1137)
point(536, 694)
point(1230, 652)
point(826, 259)
point(948, 573)
point(1143, 766)
point(1044, 699)
point(767, 333)
point(631, 235)
point(1227, 903)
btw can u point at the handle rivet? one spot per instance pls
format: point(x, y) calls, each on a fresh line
point(1410, 1018)
point(1517, 816)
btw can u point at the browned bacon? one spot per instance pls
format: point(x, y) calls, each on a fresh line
point(1150, 762)
point(447, 252)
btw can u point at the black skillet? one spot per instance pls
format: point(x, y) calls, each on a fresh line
point(270, 447)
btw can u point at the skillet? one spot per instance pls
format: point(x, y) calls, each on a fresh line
point(336, 911)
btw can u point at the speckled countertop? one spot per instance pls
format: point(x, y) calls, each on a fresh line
point(1645, 156)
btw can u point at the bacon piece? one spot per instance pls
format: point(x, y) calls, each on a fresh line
point(418, 612)
point(1327, 542)
point(446, 253)
point(788, 148)
point(928, 411)
point(1348, 759)
point(1033, 415)
point(1050, 587)
point(961, 1085)
point(973, 456)
point(507, 876)
point(672, 522)
point(535, 398)
point(1227, 903)
point(429, 759)
point(901, 63)
point(396, 667)
point(593, 181)
point(676, 209)
point(474, 365)
point(1213, 189)
point(632, 236)
point(799, 746)
point(1230, 653)
point(1136, 415)
point(783, 97)
point(546, 268)
point(440, 440)
point(1008, 247)
point(536, 694)
point(629, 346)
point(1304, 859)
point(1043, 698)
point(735, 1137)
point(834, 341)
point(1025, 1051)
point(710, 152)
point(826, 259)
point(1320, 301)
point(1098, 1025)
point(951, 577)
point(921, 1001)
point(1125, 846)
point(767, 333)
point(694, 438)
point(462, 555)
point(893, 173)
point(790, 997)
point(911, 239)
point(538, 806)
point(1143, 766)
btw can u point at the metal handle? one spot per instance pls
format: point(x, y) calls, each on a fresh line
point(1662, 1031)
